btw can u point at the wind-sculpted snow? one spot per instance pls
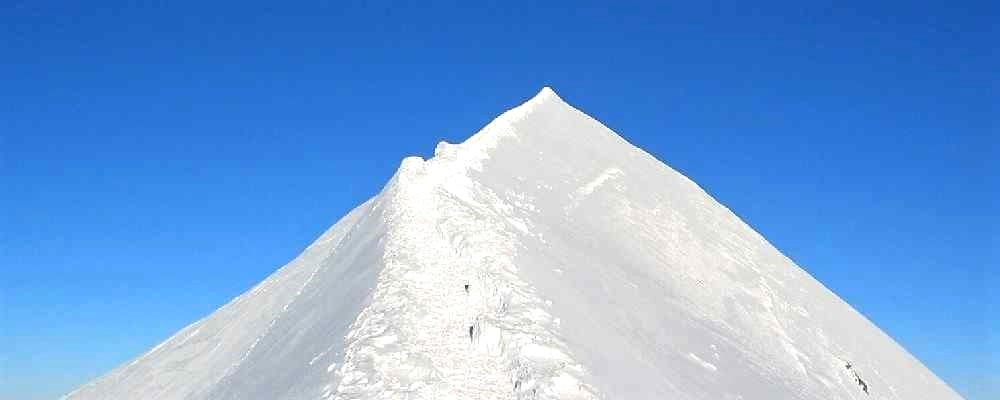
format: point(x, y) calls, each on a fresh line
point(221, 349)
point(543, 258)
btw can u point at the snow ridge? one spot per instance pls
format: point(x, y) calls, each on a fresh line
point(476, 149)
point(449, 317)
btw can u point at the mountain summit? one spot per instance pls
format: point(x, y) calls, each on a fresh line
point(543, 258)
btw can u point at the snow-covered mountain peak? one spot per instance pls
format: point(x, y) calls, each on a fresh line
point(543, 258)
point(547, 94)
point(533, 120)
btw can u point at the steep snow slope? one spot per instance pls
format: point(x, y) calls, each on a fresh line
point(543, 258)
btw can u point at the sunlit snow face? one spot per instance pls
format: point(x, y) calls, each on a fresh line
point(543, 258)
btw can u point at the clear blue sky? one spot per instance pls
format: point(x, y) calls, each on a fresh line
point(157, 160)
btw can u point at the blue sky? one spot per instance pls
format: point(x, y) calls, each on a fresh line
point(157, 160)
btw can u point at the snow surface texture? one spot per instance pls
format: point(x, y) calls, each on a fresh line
point(543, 258)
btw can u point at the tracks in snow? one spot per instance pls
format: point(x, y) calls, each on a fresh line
point(449, 317)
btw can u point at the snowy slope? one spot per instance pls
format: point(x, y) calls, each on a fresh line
point(543, 258)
